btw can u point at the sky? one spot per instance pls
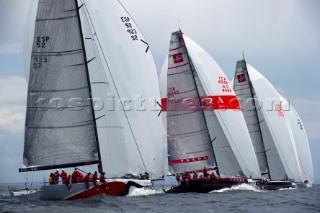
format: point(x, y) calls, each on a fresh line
point(281, 39)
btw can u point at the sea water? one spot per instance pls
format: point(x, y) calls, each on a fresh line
point(243, 198)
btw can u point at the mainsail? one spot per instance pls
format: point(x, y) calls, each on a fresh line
point(190, 75)
point(189, 143)
point(59, 132)
point(249, 106)
point(124, 85)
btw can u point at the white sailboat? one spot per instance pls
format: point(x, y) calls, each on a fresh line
point(205, 127)
point(270, 129)
point(81, 53)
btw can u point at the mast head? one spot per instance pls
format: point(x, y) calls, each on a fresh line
point(243, 55)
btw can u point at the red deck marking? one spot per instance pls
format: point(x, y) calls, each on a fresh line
point(113, 188)
point(220, 102)
point(188, 160)
point(178, 66)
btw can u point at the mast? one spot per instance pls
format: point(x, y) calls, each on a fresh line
point(192, 71)
point(89, 85)
point(263, 145)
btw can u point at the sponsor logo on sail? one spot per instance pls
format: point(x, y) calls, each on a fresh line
point(177, 58)
point(241, 78)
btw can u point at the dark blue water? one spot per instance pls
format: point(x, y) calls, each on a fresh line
point(239, 199)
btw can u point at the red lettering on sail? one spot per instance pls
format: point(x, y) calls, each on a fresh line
point(241, 78)
point(177, 58)
point(222, 102)
point(278, 107)
point(188, 160)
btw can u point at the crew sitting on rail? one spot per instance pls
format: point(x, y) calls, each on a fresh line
point(195, 176)
point(213, 176)
point(63, 176)
point(95, 179)
point(77, 177)
point(186, 176)
point(201, 177)
point(87, 179)
point(103, 178)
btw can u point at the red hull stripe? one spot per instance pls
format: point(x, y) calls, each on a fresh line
point(178, 66)
point(188, 160)
point(220, 102)
point(113, 188)
point(176, 48)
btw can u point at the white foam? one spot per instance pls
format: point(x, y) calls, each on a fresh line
point(133, 191)
point(242, 187)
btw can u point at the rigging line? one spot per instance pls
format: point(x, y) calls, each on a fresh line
point(105, 59)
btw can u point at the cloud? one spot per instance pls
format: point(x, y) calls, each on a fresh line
point(10, 48)
point(13, 102)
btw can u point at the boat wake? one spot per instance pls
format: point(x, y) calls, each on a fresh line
point(133, 191)
point(242, 187)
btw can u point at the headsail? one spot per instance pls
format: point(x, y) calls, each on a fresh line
point(58, 131)
point(130, 127)
point(301, 142)
point(275, 121)
point(231, 128)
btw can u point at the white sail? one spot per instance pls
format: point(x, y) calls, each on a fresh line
point(276, 121)
point(134, 142)
point(123, 76)
point(301, 142)
point(230, 119)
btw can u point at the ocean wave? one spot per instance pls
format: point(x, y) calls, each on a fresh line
point(242, 187)
point(133, 191)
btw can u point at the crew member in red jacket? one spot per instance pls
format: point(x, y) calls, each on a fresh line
point(68, 182)
point(77, 177)
point(213, 176)
point(195, 176)
point(95, 179)
point(103, 178)
point(205, 173)
point(63, 176)
point(87, 179)
point(56, 176)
